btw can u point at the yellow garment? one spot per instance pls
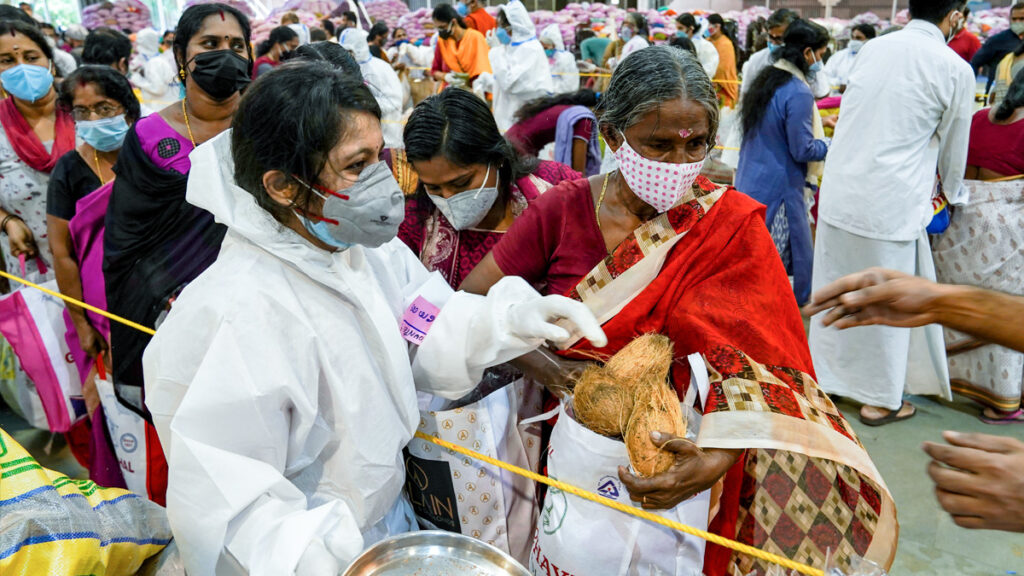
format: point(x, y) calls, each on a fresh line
point(468, 56)
point(50, 524)
point(726, 77)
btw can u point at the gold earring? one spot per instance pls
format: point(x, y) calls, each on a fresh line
point(181, 74)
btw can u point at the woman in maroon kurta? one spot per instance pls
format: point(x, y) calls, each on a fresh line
point(467, 173)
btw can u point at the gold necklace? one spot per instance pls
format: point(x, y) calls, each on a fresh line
point(96, 158)
point(187, 125)
point(600, 200)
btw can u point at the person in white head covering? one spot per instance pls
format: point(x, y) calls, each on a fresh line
point(521, 70)
point(565, 75)
point(153, 73)
point(383, 82)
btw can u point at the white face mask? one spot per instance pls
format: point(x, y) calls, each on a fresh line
point(467, 209)
point(660, 184)
point(856, 45)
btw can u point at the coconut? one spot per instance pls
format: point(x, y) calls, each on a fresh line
point(655, 409)
point(647, 357)
point(601, 403)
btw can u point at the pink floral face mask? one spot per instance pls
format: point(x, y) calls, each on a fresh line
point(660, 184)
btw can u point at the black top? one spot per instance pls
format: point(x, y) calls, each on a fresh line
point(70, 181)
point(154, 243)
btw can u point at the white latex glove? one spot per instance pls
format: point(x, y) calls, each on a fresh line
point(555, 318)
point(484, 83)
point(317, 561)
point(452, 79)
point(492, 39)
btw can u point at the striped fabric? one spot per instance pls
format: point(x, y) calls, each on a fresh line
point(53, 525)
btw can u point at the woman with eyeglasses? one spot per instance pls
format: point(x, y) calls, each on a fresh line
point(104, 108)
point(155, 242)
point(34, 134)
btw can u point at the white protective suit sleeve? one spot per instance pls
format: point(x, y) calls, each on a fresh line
point(473, 333)
point(229, 488)
point(708, 56)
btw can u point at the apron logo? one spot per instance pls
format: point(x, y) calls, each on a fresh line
point(129, 443)
point(608, 488)
point(555, 509)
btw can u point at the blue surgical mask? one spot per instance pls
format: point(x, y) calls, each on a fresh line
point(626, 34)
point(503, 36)
point(816, 67)
point(772, 47)
point(105, 134)
point(461, 9)
point(27, 81)
point(682, 34)
point(549, 52)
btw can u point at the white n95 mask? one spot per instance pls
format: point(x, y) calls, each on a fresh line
point(467, 209)
point(367, 213)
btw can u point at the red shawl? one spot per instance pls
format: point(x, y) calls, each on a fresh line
point(723, 292)
point(27, 145)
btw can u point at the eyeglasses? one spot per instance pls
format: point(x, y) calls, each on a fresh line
point(775, 39)
point(104, 110)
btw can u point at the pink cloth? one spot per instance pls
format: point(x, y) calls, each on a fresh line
point(86, 229)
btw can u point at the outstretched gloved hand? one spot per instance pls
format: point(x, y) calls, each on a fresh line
point(556, 319)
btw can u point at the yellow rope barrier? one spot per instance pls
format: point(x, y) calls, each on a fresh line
point(80, 304)
point(637, 512)
point(632, 511)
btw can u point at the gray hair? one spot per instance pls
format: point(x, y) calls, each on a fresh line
point(645, 80)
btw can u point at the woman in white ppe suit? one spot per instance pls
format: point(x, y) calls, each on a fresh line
point(565, 75)
point(383, 82)
point(520, 67)
point(282, 381)
point(153, 73)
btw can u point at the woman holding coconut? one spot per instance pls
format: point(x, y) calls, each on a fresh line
point(667, 251)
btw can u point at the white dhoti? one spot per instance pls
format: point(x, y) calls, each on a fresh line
point(875, 365)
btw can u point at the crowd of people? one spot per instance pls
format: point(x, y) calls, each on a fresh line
point(331, 257)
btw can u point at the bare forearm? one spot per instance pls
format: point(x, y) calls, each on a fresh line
point(69, 281)
point(991, 316)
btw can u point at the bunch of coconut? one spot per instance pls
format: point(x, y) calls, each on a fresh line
point(630, 397)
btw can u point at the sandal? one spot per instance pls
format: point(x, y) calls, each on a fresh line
point(1015, 417)
point(892, 416)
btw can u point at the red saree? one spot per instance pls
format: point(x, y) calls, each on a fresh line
point(707, 275)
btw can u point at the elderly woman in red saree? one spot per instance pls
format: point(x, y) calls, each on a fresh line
point(657, 248)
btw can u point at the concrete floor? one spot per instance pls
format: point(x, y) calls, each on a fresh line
point(929, 541)
point(930, 544)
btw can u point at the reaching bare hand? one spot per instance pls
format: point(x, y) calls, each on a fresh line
point(979, 480)
point(876, 296)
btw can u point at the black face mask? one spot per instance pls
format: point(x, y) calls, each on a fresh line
point(221, 73)
point(445, 34)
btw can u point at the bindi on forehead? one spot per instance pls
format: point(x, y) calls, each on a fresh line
point(685, 133)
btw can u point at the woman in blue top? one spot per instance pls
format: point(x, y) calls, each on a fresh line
point(782, 143)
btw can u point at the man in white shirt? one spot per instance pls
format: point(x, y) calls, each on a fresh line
point(778, 23)
point(687, 25)
point(906, 112)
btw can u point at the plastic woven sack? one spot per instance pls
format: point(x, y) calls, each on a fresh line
point(53, 525)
